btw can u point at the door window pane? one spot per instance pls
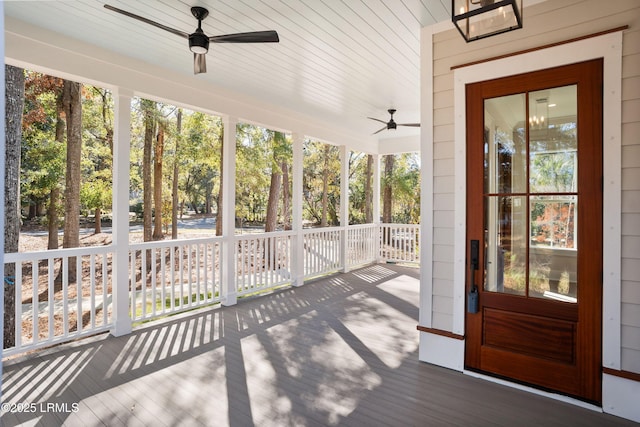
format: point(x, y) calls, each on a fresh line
point(505, 244)
point(505, 148)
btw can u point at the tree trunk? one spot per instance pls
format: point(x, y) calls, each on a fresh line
point(286, 196)
point(72, 101)
point(325, 188)
point(368, 191)
point(219, 207)
point(148, 108)
point(157, 184)
point(174, 184)
point(387, 195)
point(14, 104)
point(98, 221)
point(272, 204)
point(54, 194)
point(52, 218)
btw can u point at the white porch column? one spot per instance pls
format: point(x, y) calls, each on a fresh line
point(229, 292)
point(121, 151)
point(344, 205)
point(376, 202)
point(297, 245)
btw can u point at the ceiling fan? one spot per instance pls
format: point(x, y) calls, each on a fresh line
point(199, 41)
point(391, 124)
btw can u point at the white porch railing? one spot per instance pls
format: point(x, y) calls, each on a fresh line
point(263, 261)
point(400, 242)
point(171, 276)
point(53, 307)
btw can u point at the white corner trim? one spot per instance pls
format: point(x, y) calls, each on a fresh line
point(441, 351)
point(426, 178)
point(608, 47)
point(620, 397)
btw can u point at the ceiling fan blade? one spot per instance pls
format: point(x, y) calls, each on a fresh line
point(199, 63)
point(415, 125)
point(378, 131)
point(147, 21)
point(269, 36)
point(377, 120)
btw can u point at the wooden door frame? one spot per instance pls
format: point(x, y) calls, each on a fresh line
point(609, 47)
point(581, 376)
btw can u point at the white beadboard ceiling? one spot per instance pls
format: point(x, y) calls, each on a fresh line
point(339, 61)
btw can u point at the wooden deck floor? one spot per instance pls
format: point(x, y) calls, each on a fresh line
point(336, 351)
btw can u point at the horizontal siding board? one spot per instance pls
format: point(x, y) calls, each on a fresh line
point(631, 315)
point(631, 89)
point(443, 150)
point(630, 132)
point(631, 65)
point(631, 269)
point(443, 133)
point(443, 167)
point(444, 218)
point(443, 116)
point(442, 304)
point(443, 253)
point(630, 202)
point(631, 178)
point(443, 287)
point(631, 156)
point(443, 270)
point(442, 321)
point(443, 99)
point(631, 248)
point(444, 184)
point(443, 236)
point(631, 291)
point(631, 337)
point(443, 202)
point(630, 360)
point(631, 224)
point(630, 110)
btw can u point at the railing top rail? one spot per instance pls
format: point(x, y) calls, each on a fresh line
point(394, 225)
point(251, 236)
point(173, 243)
point(368, 225)
point(321, 229)
point(57, 253)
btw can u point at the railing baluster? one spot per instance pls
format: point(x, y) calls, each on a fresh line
point(92, 278)
point(17, 283)
point(79, 294)
point(50, 296)
point(34, 299)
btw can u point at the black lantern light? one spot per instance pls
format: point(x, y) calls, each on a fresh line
point(477, 19)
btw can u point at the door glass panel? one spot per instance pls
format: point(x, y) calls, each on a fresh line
point(553, 175)
point(530, 194)
point(505, 244)
point(505, 148)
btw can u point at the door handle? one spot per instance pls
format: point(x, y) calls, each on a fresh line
point(472, 297)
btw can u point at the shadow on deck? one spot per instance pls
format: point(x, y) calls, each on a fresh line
point(342, 350)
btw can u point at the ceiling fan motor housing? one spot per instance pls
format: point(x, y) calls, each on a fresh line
point(198, 42)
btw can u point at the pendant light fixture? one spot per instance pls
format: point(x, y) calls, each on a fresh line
point(477, 19)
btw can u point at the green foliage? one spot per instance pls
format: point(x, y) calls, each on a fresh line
point(405, 183)
point(321, 161)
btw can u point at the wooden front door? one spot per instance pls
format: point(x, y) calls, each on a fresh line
point(534, 213)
